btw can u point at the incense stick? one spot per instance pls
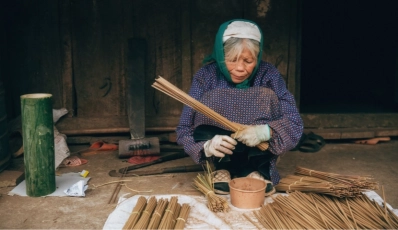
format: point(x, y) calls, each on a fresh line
point(318, 211)
point(146, 214)
point(136, 213)
point(157, 214)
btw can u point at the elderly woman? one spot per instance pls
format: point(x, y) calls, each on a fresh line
point(237, 84)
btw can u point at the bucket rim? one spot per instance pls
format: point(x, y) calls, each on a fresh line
point(247, 191)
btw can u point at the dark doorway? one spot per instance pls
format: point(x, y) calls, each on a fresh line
point(349, 57)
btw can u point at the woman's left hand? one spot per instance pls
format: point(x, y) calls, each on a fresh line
point(253, 135)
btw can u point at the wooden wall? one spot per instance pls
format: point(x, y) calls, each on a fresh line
point(76, 50)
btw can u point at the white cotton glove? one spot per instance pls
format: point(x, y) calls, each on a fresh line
point(219, 145)
point(253, 135)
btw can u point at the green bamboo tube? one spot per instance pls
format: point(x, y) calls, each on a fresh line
point(38, 142)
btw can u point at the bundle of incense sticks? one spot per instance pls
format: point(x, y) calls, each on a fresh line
point(317, 211)
point(136, 213)
point(182, 218)
point(166, 87)
point(204, 183)
point(153, 214)
point(157, 214)
point(146, 214)
point(307, 180)
point(170, 215)
point(360, 182)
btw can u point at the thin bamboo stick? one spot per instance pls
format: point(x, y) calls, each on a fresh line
point(182, 218)
point(294, 212)
point(168, 214)
point(146, 214)
point(157, 214)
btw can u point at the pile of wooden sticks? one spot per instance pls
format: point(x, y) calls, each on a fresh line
point(317, 211)
point(161, 214)
point(307, 180)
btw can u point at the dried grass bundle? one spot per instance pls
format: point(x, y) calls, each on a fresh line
point(136, 213)
point(182, 218)
point(306, 180)
point(317, 211)
point(204, 183)
point(354, 181)
point(146, 214)
point(166, 87)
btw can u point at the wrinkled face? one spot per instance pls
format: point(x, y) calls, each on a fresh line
point(241, 68)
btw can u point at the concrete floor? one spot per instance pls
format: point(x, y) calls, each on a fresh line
point(91, 212)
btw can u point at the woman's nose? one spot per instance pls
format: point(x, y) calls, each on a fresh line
point(240, 65)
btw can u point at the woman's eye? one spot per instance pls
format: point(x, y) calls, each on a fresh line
point(249, 61)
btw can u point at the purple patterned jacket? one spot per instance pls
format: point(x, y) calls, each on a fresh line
point(287, 128)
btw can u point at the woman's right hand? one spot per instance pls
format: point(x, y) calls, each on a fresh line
point(219, 145)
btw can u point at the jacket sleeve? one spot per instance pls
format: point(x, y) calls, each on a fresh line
point(185, 127)
point(288, 129)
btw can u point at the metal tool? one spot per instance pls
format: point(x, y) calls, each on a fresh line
point(177, 169)
point(135, 82)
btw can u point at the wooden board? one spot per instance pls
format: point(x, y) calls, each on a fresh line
point(33, 51)
point(160, 23)
point(207, 16)
point(98, 58)
point(268, 15)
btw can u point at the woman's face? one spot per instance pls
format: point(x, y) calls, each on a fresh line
point(242, 68)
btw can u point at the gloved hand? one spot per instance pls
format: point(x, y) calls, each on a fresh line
point(219, 145)
point(253, 135)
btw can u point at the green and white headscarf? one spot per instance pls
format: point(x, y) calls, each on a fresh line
point(237, 28)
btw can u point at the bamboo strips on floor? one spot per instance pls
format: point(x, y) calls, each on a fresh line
point(318, 211)
point(307, 180)
point(162, 214)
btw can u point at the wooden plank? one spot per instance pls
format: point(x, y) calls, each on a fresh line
point(294, 52)
point(273, 17)
point(97, 42)
point(160, 25)
point(360, 120)
point(10, 178)
point(186, 62)
point(207, 16)
point(68, 96)
point(350, 133)
point(48, 52)
point(113, 124)
point(33, 53)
